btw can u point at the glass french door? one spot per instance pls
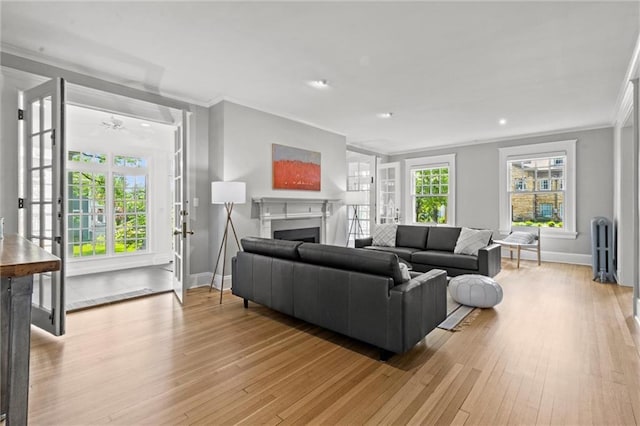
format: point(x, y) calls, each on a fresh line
point(388, 193)
point(43, 199)
point(180, 212)
point(636, 184)
point(360, 170)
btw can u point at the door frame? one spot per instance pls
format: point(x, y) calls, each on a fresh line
point(52, 320)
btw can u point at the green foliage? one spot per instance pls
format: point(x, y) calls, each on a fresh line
point(428, 209)
point(539, 223)
point(87, 195)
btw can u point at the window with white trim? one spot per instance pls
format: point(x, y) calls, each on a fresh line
point(538, 187)
point(107, 204)
point(431, 185)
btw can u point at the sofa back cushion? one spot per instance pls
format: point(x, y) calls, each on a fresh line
point(384, 235)
point(283, 249)
point(358, 260)
point(443, 238)
point(412, 236)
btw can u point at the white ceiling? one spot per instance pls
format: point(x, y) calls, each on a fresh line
point(448, 71)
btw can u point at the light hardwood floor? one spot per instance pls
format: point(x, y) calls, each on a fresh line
point(559, 349)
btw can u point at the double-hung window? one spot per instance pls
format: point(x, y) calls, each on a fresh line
point(431, 182)
point(538, 187)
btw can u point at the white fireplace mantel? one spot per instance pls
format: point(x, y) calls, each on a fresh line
point(269, 209)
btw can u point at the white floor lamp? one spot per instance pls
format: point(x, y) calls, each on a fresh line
point(355, 199)
point(227, 193)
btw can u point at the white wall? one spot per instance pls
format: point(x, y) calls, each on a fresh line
point(477, 186)
point(245, 141)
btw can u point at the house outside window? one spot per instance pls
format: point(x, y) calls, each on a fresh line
point(538, 187)
point(520, 185)
point(544, 184)
point(546, 210)
point(431, 182)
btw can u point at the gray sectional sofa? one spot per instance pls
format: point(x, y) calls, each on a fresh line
point(431, 247)
point(356, 292)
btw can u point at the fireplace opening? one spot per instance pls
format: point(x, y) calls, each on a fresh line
point(307, 235)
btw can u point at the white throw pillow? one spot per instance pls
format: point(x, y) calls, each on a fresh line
point(385, 235)
point(472, 240)
point(520, 237)
point(404, 271)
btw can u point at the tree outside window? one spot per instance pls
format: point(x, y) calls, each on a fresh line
point(90, 218)
point(431, 194)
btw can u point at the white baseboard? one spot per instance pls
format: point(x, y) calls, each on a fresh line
point(200, 280)
point(217, 280)
point(551, 256)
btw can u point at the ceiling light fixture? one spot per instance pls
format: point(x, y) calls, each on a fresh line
point(145, 124)
point(502, 121)
point(385, 115)
point(113, 123)
point(319, 84)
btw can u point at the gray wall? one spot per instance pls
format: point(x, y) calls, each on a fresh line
point(200, 258)
point(477, 189)
point(625, 208)
point(244, 136)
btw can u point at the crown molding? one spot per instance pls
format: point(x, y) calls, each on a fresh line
point(286, 116)
point(515, 137)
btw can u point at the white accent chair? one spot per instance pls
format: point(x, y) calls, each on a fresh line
point(519, 246)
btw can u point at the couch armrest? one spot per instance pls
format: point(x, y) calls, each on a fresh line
point(490, 260)
point(418, 305)
point(363, 242)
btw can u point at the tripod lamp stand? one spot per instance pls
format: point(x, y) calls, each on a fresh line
point(355, 199)
point(227, 193)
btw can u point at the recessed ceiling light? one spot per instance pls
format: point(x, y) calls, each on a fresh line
point(319, 84)
point(385, 115)
point(145, 124)
point(502, 121)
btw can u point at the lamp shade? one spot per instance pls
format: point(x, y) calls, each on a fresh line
point(228, 192)
point(355, 198)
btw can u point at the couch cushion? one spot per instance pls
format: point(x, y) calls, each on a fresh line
point(352, 259)
point(445, 259)
point(472, 240)
point(443, 238)
point(283, 249)
point(385, 235)
point(401, 252)
point(412, 236)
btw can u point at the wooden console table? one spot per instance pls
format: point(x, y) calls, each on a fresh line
point(20, 259)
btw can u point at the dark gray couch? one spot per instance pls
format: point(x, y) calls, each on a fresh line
point(431, 247)
point(355, 292)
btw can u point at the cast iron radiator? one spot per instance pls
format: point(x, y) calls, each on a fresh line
point(602, 249)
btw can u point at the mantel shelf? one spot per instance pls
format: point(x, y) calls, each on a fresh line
point(292, 200)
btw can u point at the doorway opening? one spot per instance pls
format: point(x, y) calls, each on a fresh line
point(118, 196)
point(117, 189)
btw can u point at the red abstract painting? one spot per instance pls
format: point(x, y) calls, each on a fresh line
point(295, 168)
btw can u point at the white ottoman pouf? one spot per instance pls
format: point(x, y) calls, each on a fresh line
point(475, 290)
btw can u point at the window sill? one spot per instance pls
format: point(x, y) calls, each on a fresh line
point(106, 256)
point(551, 234)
